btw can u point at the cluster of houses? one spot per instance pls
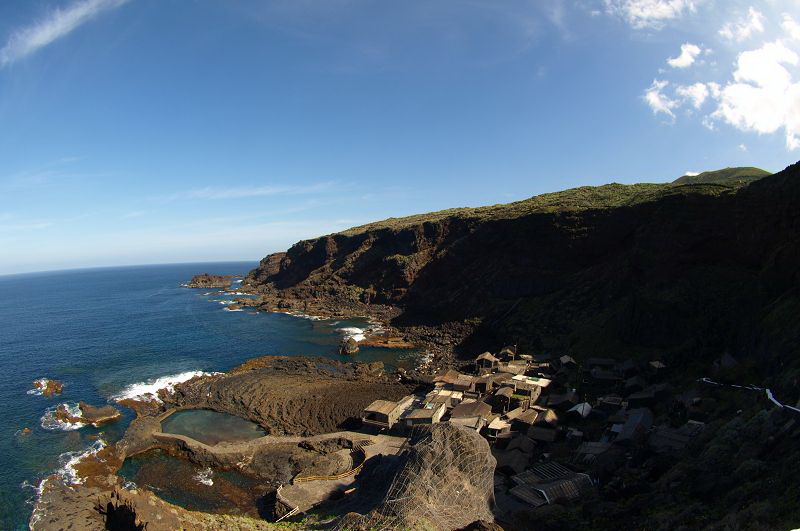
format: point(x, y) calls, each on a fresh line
point(555, 426)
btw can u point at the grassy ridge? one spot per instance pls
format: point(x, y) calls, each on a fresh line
point(725, 176)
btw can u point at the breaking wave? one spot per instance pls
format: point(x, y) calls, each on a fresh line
point(149, 390)
point(204, 477)
point(49, 421)
point(353, 333)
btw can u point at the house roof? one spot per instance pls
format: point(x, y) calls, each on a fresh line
point(583, 409)
point(514, 413)
point(522, 443)
point(499, 424)
point(555, 482)
point(638, 422)
point(570, 397)
point(448, 377)
point(471, 409)
point(505, 392)
point(384, 407)
point(514, 460)
point(593, 448)
point(543, 472)
point(529, 495)
point(475, 423)
point(571, 488)
point(535, 380)
point(487, 356)
point(513, 368)
point(429, 411)
point(539, 433)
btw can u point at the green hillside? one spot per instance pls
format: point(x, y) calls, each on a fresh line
point(724, 176)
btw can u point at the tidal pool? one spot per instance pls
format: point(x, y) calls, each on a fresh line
point(211, 427)
point(195, 487)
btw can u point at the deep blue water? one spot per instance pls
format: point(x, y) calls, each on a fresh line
point(99, 331)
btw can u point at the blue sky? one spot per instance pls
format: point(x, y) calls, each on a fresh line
point(146, 131)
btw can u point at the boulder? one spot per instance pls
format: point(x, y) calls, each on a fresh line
point(348, 347)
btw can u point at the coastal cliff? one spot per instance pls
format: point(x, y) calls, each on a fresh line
point(687, 272)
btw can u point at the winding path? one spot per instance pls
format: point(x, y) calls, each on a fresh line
point(767, 391)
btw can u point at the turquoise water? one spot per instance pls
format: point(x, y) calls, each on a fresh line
point(195, 487)
point(211, 427)
point(100, 331)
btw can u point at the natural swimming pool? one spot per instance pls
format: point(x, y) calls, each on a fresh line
point(195, 487)
point(211, 427)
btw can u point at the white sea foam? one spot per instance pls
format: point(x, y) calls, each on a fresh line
point(41, 383)
point(49, 421)
point(68, 460)
point(233, 309)
point(37, 513)
point(303, 315)
point(149, 390)
point(225, 302)
point(352, 332)
point(239, 280)
point(204, 477)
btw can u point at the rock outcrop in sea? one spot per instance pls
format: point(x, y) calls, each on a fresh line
point(207, 281)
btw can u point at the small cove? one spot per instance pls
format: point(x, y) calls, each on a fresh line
point(211, 427)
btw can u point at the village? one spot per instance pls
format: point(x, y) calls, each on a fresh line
point(557, 429)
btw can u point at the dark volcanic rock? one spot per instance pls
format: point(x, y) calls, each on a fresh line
point(291, 396)
point(48, 387)
point(348, 347)
point(97, 416)
point(206, 281)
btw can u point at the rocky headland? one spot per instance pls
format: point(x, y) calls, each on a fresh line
point(207, 281)
point(684, 271)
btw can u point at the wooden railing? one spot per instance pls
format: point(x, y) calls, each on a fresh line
point(357, 449)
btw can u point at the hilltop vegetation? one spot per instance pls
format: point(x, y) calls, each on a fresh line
point(725, 176)
point(684, 272)
point(573, 200)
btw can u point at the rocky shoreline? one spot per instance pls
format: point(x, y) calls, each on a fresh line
point(438, 342)
point(304, 404)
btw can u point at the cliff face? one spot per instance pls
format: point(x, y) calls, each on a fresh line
point(685, 272)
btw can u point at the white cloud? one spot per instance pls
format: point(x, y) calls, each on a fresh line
point(241, 192)
point(650, 13)
point(763, 97)
point(743, 147)
point(56, 24)
point(658, 101)
point(791, 27)
point(692, 173)
point(748, 26)
point(689, 53)
point(695, 94)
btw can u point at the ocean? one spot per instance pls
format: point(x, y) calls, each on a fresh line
point(123, 331)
